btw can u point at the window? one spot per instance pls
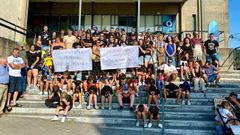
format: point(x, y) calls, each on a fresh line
point(194, 22)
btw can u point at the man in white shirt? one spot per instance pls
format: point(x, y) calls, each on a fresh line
point(170, 71)
point(15, 64)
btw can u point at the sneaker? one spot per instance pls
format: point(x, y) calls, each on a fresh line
point(74, 106)
point(110, 108)
point(136, 95)
point(149, 125)
point(131, 109)
point(40, 93)
point(160, 125)
point(121, 108)
point(137, 124)
point(183, 102)
point(96, 107)
point(79, 106)
point(145, 125)
point(63, 119)
point(89, 107)
point(188, 103)
point(139, 83)
point(55, 118)
point(45, 93)
point(102, 107)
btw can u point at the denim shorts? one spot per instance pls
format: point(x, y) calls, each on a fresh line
point(15, 84)
point(212, 77)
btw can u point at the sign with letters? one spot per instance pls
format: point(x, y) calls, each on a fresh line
point(72, 59)
point(119, 57)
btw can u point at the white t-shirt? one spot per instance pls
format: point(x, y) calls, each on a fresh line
point(224, 113)
point(167, 68)
point(15, 72)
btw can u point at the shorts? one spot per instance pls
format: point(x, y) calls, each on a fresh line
point(212, 77)
point(171, 87)
point(15, 84)
point(106, 90)
point(140, 60)
point(185, 86)
point(148, 58)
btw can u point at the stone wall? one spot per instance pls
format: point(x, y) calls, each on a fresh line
point(6, 47)
point(14, 11)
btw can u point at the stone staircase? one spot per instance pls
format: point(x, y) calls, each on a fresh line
point(197, 119)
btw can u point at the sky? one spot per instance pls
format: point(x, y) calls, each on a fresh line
point(234, 19)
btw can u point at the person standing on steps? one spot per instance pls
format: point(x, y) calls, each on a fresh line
point(4, 80)
point(15, 64)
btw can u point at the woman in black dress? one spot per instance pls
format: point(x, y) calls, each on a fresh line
point(33, 59)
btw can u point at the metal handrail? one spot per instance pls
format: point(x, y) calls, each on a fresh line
point(10, 25)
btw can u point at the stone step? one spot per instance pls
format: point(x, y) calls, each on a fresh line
point(170, 115)
point(183, 108)
point(127, 121)
point(170, 101)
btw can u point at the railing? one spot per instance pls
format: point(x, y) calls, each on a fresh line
point(17, 29)
point(236, 58)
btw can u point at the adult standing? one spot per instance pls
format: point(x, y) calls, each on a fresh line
point(15, 64)
point(44, 37)
point(211, 48)
point(160, 49)
point(69, 39)
point(4, 80)
point(33, 59)
point(170, 50)
point(197, 43)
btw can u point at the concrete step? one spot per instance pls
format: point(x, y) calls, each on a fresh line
point(170, 101)
point(170, 115)
point(28, 108)
point(126, 121)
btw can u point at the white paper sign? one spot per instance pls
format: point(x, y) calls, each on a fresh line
point(119, 57)
point(72, 59)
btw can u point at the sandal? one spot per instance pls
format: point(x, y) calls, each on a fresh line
point(9, 109)
point(17, 105)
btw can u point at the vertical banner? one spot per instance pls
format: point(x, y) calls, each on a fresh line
point(169, 23)
point(119, 57)
point(72, 60)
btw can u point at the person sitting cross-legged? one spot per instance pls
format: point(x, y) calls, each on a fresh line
point(211, 74)
point(173, 90)
point(154, 114)
point(54, 98)
point(141, 112)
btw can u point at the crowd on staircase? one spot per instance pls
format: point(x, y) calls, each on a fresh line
point(162, 58)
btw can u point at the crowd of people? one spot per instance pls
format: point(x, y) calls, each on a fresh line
point(160, 56)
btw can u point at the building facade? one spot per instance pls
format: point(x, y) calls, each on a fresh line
point(169, 16)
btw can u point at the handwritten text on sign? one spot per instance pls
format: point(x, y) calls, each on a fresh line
point(119, 57)
point(72, 59)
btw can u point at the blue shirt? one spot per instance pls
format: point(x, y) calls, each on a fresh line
point(4, 75)
point(210, 71)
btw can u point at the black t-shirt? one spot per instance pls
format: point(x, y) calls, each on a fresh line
point(87, 40)
point(188, 49)
point(31, 57)
point(38, 50)
point(211, 46)
point(78, 45)
point(153, 90)
point(140, 52)
point(45, 37)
